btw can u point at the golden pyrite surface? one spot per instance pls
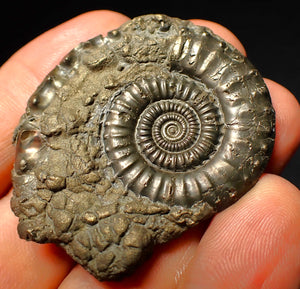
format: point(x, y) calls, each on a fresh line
point(135, 137)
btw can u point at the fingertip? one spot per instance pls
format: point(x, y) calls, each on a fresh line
point(23, 72)
point(274, 196)
point(254, 242)
point(104, 20)
point(27, 264)
point(287, 138)
point(285, 104)
point(223, 32)
point(79, 278)
point(44, 52)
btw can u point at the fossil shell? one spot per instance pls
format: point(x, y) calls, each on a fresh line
point(135, 137)
point(158, 132)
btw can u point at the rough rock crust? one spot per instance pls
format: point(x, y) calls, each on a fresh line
point(85, 176)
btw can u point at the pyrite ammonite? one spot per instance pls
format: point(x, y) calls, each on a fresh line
point(135, 137)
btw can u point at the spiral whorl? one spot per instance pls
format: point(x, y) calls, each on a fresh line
point(158, 130)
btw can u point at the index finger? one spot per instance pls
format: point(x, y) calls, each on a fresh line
point(285, 104)
point(25, 70)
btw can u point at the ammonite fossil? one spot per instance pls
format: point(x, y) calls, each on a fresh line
point(135, 137)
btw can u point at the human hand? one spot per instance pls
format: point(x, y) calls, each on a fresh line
point(255, 243)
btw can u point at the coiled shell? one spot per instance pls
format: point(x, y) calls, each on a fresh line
point(158, 133)
point(135, 137)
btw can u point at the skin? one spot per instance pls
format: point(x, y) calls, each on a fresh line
point(255, 243)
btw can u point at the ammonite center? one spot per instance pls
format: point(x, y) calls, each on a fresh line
point(167, 132)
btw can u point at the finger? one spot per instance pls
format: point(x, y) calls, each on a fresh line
point(222, 32)
point(285, 104)
point(161, 271)
point(253, 244)
point(23, 72)
point(287, 126)
point(26, 264)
